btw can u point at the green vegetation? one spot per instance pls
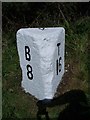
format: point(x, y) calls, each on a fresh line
point(17, 104)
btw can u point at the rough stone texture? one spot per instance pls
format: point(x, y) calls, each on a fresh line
point(42, 60)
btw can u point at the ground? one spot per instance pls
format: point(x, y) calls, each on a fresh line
point(16, 103)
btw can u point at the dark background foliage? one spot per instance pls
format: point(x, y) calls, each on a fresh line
point(75, 18)
point(17, 14)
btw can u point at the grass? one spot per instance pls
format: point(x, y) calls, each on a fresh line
point(17, 104)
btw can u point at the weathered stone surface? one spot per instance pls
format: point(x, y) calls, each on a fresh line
point(41, 54)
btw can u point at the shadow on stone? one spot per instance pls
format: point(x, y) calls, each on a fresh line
point(77, 108)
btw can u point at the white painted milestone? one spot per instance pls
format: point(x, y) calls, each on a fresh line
point(41, 54)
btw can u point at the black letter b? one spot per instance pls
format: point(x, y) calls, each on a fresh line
point(27, 53)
